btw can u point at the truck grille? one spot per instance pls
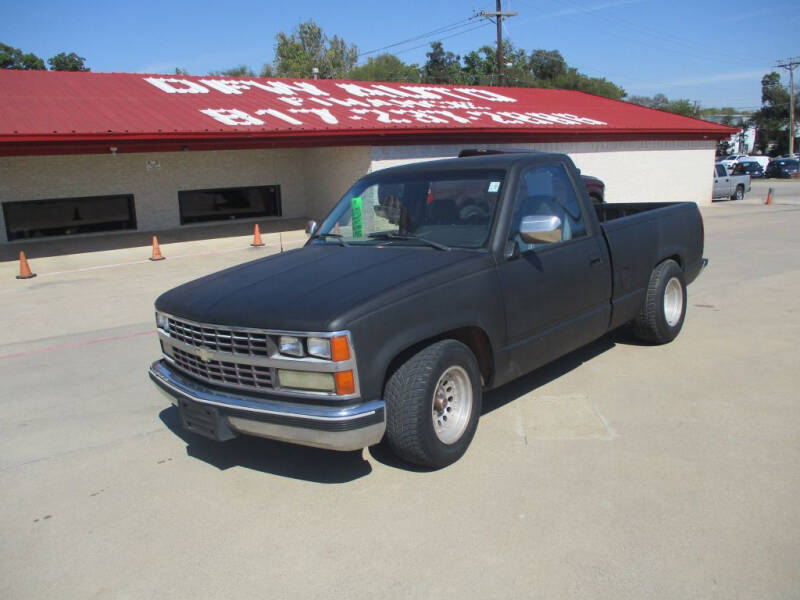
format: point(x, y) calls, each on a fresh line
point(232, 341)
point(223, 372)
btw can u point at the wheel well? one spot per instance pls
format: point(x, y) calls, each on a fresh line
point(472, 337)
point(674, 257)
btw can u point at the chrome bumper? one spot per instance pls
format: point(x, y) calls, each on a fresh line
point(349, 427)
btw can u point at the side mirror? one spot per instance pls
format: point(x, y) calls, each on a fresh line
point(540, 229)
point(311, 227)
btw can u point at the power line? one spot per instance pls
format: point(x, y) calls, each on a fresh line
point(444, 29)
point(439, 39)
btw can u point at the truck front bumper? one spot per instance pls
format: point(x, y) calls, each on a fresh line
point(223, 414)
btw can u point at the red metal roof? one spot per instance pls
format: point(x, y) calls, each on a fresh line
point(67, 112)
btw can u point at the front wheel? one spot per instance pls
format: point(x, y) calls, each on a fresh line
point(433, 402)
point(739, 194)
point(664, 307)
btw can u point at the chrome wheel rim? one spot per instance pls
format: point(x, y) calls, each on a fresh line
point(452, 405)
point(673, 301)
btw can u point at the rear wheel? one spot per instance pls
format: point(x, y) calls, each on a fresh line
point(664, 307)
point(739, 194)
point(433, 402)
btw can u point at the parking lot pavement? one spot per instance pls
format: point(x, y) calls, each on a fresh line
point(619, 471)
point(784, 191)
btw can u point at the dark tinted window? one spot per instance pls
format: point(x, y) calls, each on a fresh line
point(68, 216)
point(720, 171)
point(455, 208)
point(548, 191)
point(197, 206)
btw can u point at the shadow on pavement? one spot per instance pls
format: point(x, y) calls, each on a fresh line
point(267, 456)
point(328, 466)
point(509, 392)
point(43, 247)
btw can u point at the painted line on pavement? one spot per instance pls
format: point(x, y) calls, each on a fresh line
point(115, 338)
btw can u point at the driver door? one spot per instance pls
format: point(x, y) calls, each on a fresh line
point(557, 294)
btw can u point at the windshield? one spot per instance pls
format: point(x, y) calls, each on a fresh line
point(439, 209)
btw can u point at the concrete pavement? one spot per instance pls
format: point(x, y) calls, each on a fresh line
point(619, 471)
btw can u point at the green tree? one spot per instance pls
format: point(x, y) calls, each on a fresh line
point(14, 58)
point(385, 67)
point(307, 48)
point(547, 65)
point(441, 66)
point(67, 62)
point(181, 71)
point(240, 71)
point(480, 66)
point(682, 106)
point(772, 119)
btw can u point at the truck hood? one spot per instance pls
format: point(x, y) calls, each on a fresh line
point(316, 288)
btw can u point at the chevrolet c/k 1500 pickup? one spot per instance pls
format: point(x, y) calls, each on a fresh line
point(425, 286)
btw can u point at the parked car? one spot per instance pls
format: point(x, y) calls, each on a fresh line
point(727, 185)
point(426, 285)
point(782, 167)
point(731, 160)
point(760, 159)
point(748, 167)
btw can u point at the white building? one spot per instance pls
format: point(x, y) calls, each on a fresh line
point(82, 153)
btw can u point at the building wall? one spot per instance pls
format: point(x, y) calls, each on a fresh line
point(313, 179)
point(155, 189)
point(643, 171)
point(329, 173)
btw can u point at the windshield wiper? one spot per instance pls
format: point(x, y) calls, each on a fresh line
point(335, 236)
point(385, 235)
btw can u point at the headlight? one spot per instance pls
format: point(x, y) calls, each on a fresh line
point(319, 347)
point(306, 380)
point(162, 322)
point(290, 345)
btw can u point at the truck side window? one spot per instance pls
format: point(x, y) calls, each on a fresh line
point(546, 191)
point(720, 171)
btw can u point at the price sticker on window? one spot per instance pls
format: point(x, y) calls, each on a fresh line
point(494, 186)
point(355, 211)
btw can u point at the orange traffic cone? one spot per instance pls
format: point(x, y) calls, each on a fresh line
point(769, 197)
point(156, 250)
point(257, 237)
point(24, 269)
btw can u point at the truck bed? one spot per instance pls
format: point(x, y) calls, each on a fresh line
point(642, 234)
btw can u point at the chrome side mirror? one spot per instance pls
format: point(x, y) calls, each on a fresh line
point(536, 229)
point(311, 227)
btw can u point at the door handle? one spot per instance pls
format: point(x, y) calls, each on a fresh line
point(595, 260)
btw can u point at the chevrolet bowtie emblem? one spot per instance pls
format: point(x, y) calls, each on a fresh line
point(204, 354)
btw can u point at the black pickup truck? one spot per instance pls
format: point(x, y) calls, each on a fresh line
point(426, 285)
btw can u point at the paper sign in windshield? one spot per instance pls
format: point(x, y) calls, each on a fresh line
point(494, 186)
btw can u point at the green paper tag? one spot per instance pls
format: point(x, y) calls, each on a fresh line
point(355, 211)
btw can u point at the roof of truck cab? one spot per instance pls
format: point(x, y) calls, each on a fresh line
point(82, 112)
point(471, 163)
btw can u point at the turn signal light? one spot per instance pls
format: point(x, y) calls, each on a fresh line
point(345, 383)
point(339, 349)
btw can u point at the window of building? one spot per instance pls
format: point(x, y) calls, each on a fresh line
point(198, 206)
point(68, 216)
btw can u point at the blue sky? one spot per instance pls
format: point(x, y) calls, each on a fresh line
point(712, 52)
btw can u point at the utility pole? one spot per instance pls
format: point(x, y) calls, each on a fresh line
point(499, 14)
point(789, 64)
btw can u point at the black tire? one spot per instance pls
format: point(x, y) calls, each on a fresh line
point(410, 402)
point(659, 320)
point(739, 194)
